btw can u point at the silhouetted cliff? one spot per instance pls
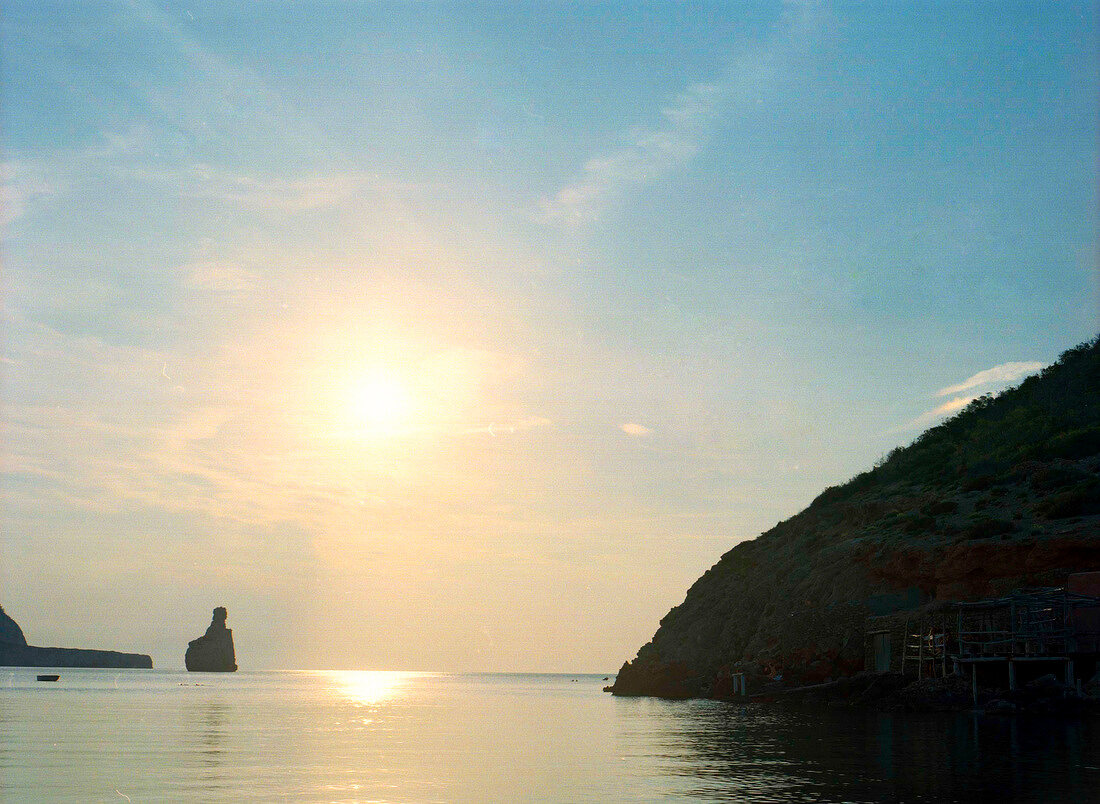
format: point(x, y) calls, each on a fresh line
point(1004, 495)
point(213, 651)
point(15, 652)
point(10, 632)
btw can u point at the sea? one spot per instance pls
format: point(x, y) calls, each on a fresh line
point(365, 736)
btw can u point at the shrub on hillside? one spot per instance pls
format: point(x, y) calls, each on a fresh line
point(1082, 499)
point(986, 527)
point(942, 507)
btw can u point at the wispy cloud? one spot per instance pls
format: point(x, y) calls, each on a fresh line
point(510, 427)
point(249, 431)
point(130, 155)
point(948, 408)
point(285, 195)
point(990, 379)
point(219, 276)
point(649, 155)
point(687, 122)
point(1004, 373)
point(211, 100)
point(19, 185)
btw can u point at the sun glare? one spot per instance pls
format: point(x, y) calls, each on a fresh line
point(372, 686)
point(380, 404)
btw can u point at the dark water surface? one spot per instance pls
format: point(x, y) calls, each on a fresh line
point(108, 735)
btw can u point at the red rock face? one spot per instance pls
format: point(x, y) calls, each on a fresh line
point(987, 569)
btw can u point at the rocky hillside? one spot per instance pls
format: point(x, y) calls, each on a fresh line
point(1005, 494)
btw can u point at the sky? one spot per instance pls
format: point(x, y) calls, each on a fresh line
point(465, 337)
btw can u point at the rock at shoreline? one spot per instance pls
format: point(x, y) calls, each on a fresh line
point(213, 651)
point(15, 652)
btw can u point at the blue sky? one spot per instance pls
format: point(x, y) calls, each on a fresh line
point(465, 337)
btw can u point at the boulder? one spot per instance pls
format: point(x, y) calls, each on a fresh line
point(213, 651)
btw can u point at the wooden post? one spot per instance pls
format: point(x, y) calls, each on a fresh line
point(943, 647)
point(1069, 672)
point(920, 651)
point(1012, 626)
point(1011, 675)
point(974, 681)
point(905, 647)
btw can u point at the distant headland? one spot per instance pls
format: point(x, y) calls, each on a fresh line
point(15, 652)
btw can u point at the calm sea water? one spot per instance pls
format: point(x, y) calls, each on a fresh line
point(100, 735)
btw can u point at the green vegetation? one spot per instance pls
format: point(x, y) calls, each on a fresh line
point(1082, 499)
point(1054, 415)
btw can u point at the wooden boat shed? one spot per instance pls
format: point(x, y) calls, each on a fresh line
point(1051, 628)
point(1026, 633)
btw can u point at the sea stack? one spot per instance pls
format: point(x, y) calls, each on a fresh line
point(213, 651)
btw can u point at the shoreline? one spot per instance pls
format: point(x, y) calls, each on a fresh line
point(897, 692)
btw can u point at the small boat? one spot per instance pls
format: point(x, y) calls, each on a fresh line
point(48, 677)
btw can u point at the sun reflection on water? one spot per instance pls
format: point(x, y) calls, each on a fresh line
point(373, 686)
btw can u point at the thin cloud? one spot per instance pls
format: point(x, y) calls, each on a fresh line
point(952, 405)
point(989, 379)
point(650, 155)
point(215, 92)
point(635, 429)
point(946, 409)
point(1004, 373)
point(218, 275)
point(18, 187)
point(131, 155)
point(297, 195)
point(510, 427)
point(687, 124)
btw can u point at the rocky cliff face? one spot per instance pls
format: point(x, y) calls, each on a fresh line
point(213, 651)
point(10, 632)
point(15, 652)
point(1004, 495)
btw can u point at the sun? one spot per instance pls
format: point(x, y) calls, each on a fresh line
point(380, 404)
